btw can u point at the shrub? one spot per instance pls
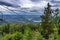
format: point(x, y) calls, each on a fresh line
point(15, 36)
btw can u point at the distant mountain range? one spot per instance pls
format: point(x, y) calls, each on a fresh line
point(20, 18)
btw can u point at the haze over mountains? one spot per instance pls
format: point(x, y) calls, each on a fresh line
point(21, 19)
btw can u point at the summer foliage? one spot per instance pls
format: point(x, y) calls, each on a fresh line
point(47, 29)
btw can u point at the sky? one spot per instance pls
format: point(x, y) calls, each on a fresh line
point(26, 6)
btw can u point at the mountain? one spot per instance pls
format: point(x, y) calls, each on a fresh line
point(21, 18)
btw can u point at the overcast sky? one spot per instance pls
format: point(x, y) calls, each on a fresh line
point(28, 4)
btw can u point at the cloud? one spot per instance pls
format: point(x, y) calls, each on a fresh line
point(4, 3)
point(27, 5)
point(30, 4)
point(9, 3)
point(23, 4)
point(35, 1)
point(57, 0)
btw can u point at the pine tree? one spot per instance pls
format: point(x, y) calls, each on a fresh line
point(46, 21)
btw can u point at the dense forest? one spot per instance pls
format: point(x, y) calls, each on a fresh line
point(47, 29)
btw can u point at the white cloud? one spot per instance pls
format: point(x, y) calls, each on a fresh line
point(26, 4)
point(56, 0)
point(3, 9)
point(30, 4)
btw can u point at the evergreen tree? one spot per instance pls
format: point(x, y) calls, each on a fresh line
point(46, 21)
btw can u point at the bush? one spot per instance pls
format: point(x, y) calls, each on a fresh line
point(15, 36)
